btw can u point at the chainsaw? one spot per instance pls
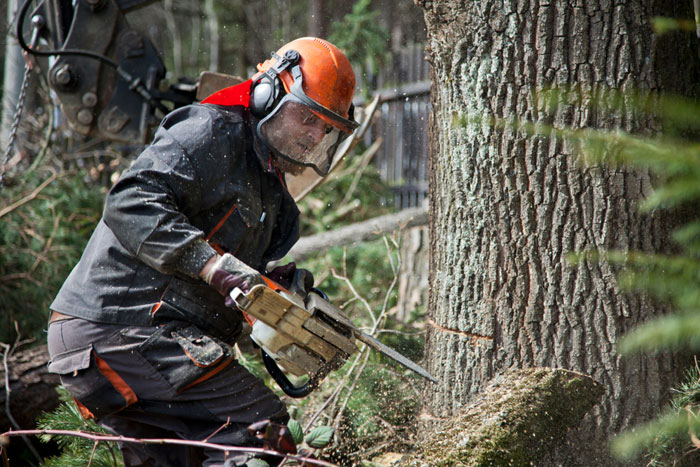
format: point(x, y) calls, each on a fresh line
point(305, 335)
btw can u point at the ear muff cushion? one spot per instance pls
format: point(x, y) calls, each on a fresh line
point(263, 97)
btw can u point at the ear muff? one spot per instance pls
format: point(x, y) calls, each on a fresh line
point(268, 90)
point(265, 94)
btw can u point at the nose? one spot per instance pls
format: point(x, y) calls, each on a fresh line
point(317, 131)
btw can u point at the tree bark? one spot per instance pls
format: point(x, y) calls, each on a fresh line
point(32, 388)
point(507, 207)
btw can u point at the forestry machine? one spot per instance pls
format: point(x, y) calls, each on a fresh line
point(105, 74)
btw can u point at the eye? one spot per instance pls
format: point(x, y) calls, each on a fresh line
point(328, 129)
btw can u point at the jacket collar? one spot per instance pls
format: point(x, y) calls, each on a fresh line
point(239, 95)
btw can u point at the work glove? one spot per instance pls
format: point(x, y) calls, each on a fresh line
point(228, 273)
point(297, 280)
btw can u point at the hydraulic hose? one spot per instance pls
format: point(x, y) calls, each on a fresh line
point(134, 83)
point(48, 53)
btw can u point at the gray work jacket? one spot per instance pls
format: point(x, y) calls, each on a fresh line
point(200, 185)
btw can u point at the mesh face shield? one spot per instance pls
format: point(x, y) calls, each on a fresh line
point(299, 135)
point(303, 131)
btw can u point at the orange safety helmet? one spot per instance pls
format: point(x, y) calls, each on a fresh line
point(328, 77)
point(303, 98)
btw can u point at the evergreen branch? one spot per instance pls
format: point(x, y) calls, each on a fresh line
point(168, 441)
point(672, 423)
point(667, 332)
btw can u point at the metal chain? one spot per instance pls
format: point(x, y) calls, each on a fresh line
point(15, 123)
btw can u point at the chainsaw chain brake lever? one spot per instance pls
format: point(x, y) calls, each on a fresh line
point(282, 380)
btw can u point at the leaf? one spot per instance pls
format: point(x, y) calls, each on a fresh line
point(320, 436)
point(296, 430)
point(256, 463)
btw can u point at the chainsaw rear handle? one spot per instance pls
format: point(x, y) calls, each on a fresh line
point(282, 380)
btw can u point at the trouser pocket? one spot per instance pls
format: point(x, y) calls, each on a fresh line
point(97, 389)
point(184, 355)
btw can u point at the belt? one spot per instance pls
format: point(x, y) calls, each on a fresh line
point(56, 316)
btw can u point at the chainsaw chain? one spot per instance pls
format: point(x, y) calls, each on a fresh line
point(15, 124)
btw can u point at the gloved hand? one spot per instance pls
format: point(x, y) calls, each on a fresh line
point(227, 273)
point(296, 280)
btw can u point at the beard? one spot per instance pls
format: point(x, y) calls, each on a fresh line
point(288, 167)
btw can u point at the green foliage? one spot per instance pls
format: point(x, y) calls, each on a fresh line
point(76, 451)
point(666, 438)
point(296, 430)
point(361, 36)
point(40, 242)
point(381, 398)
point(319, 437)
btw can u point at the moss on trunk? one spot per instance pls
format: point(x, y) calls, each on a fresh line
point(516, 420)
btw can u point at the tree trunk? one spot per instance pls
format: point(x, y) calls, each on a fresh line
point(507, 207)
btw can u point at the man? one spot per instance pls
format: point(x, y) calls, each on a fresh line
point(140, 332)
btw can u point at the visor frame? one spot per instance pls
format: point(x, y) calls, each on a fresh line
point(344, 124)
point(291, 98)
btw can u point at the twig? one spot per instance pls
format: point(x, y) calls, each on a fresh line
point(228, 421)
point(8, 350)
point(335, 393)
point(31, 195)
point(340, 411)
point(364, 162)
point(44, 146)
point(92, 454)
point(171, 441)
point(42, 256)
point(345, 279)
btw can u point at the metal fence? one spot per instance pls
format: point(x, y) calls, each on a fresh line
point(403, 124)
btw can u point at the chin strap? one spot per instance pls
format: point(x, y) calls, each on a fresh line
point(238, 94)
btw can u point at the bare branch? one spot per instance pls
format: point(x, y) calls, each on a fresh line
point(179, 442)
point(31, 196)
point(6, 354)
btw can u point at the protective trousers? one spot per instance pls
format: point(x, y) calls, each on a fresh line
point(168, 381)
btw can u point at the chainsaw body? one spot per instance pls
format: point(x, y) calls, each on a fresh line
point(302, 336)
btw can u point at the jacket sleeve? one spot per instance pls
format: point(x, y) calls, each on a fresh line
point(147, 209)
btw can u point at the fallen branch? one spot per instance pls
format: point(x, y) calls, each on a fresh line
point(8, 351)
point(359, 232)
point(31, 195)
point(98, 438)
point(32, 387)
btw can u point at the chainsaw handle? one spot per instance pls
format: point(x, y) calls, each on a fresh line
point(282, 380)
point(319, 292)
